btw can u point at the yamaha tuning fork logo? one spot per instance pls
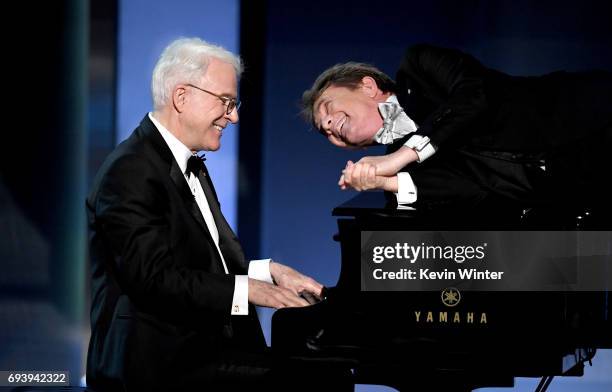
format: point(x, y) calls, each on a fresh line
point(451, 297)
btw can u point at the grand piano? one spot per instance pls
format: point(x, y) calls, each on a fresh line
point(377, 337)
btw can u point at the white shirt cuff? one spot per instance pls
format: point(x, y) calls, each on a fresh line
point(406, 190)
point(260, 270)
point(422, 146)
point(240, 302)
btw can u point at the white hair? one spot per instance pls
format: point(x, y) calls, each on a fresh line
point(186, 60)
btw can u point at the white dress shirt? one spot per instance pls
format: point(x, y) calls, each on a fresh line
point(258, 269)
point(403, 125)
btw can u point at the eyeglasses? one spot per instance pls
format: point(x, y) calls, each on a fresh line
point(230, 103)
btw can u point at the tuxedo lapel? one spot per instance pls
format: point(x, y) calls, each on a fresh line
point(208, 186)
point(228, 243)
point(232, 251)
point(213, 203)
point(178, 179)
point(149, 132)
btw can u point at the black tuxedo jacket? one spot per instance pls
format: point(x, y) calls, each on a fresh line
point(495, 131)
point(161, 300)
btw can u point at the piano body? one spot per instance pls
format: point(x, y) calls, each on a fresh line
point(411, 340)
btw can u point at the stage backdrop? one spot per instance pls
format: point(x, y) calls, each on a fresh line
point(145, 28)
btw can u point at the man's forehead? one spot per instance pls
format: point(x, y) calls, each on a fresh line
point(331, 92)
point(221, 75)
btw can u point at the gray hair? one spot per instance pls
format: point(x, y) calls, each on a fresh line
point(343, 75)
point(185, 60)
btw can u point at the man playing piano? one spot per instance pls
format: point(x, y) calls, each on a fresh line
point(173, 295)
point(460, 133)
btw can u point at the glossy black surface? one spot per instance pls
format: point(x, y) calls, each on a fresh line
point(376, 334)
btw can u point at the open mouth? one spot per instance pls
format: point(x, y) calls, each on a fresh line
point(218, 128)
point(340, 125)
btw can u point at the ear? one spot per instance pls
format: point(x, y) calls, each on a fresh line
point(179, 98)
point(369, 86)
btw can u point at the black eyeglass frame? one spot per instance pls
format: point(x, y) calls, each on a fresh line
point(230, 103)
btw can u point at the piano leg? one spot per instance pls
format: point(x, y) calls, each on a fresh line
point(544, 383)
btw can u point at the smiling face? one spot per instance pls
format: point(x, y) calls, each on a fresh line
point(204, 116)
point(348, 117)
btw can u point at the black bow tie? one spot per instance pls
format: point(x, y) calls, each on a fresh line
point(195, 164)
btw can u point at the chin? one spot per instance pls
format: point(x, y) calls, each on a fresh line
point(214, 147)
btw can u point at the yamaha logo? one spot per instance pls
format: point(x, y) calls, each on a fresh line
point(450, 297)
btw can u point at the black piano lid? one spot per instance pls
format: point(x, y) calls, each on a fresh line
point(381, 210)
point(370, 203)
point(492, 213)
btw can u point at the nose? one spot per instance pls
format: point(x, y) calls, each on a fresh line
point(233, 116)
point(326, 122)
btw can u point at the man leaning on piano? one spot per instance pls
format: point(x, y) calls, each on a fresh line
point(461, 134)
point(460, 137)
